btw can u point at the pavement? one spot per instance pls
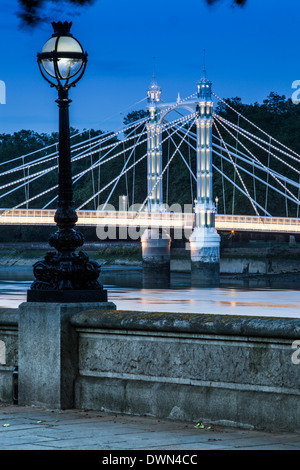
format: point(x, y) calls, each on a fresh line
point(31, 428)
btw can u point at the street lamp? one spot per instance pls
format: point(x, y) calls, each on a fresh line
point(217, 203)
point(64, 275)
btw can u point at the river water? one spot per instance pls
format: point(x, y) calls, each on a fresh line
point(258, 297)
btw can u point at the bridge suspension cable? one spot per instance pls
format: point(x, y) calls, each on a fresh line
point(232, 182)
point(122, 171)
point(269, 171)
point(96, 164)
point(254, 125)
point(252, 138)
point(77, 147)
point(82, 173)
point(164, 127)
point(107, 135)
point(102, 159)
point(168, 163)
point(241, 190)
point(259, 179)
point(72, 135)
point(252, 162)
point(39, 174)
point(237, 171)
point(182, 120)
point(255, 163)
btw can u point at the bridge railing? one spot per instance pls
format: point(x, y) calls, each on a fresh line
point(118, 218)
point(27, 216)
point(142, 219)
point(261, 224)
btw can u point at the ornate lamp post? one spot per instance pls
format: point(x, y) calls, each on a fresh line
point(64, 275)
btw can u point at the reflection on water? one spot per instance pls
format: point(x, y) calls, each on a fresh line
point(128, 290)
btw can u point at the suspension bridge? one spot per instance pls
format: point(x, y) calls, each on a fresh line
point(246, 159)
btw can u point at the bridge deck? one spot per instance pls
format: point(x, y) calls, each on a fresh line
point(156, 220)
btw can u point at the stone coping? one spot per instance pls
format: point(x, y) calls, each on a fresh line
point(212, 324)
point(9, 317)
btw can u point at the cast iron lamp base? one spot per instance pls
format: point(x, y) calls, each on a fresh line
point(64, 275)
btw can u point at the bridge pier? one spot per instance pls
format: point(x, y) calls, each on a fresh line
point(156, 258)
point(205, 256)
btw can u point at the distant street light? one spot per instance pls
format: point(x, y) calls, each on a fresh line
point(64, 275)
point(124, 203)
point(217, 203)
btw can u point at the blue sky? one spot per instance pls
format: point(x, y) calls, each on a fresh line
point(249, 53)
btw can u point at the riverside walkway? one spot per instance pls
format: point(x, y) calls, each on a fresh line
point(27, 428)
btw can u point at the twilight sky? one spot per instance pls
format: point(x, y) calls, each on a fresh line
point(250, 52)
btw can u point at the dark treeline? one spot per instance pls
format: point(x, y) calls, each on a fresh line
point(277, 116)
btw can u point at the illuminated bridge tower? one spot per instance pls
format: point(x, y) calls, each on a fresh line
point(155, 243)
point(204, 241)
point(154, 150)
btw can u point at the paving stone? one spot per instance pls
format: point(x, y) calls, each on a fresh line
point(39, 429)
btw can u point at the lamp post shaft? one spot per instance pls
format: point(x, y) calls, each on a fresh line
point(65, 216)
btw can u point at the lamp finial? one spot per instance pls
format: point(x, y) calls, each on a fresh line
point(61, 28)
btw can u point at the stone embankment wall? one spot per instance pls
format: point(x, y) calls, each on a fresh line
point(214, 368)
point(8, 351)
point(235, 370)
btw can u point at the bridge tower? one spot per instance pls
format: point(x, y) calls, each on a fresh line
point(155, 243)
point(154, 150)
point(204, 241)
